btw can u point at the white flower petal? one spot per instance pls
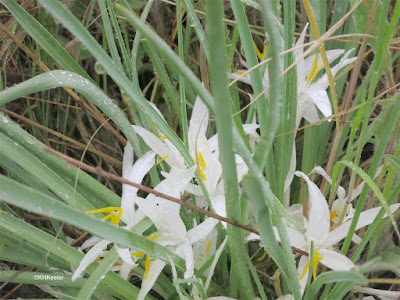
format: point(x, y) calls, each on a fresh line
point(164, 213)
point(154, 271)
point(127, 161)
point(300, 270)
point(297, 239)
point(213, 170)
point(246, 78)
point(158, 146)
point(366, 218)
point(296, 211)
point(305, 109)
point(141, 167)
point(331, 54)
point(90, 242)
point(218, 204)
point(204, 249)
point(301, 70)
point(289, 178)
point(90, 257)
point(252, 237)
point(185, 251)
point(318, 221)
point(323, 82)
point(335, 260)
point(214, 263)
point(198, 123)
point(383, 295)
point(125, 270)
point(213, 143)
point(125, 255)
point(202, 230)
point(321, 100)
point(286, 297)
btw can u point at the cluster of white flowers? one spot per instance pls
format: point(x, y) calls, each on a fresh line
point(197, 244)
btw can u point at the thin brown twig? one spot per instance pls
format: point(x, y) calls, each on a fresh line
point(100, 171)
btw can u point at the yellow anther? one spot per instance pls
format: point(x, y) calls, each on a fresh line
point(314, 70)
point(147, 267)
point(260, 55)
point(262, 256)
point(332, 215)
point(201, 165)
point(208, 247)
point(152, 237)
point(201, 161)
point(162, 159)
point(316, 259)
point(100, 259)
point(305, 270)
point(111, 213)
point(163, 137)
point(138, 254)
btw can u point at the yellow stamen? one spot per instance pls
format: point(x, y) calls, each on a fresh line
point(163, 137)
point(201, 161)
point(162, 159)
point(262, 256)
point(203, 175)
point(138, 254)
point(201, 165)
point(100, 259)
point(152, 237)
point(208, 247)
point(111, 213)
point(314, 70)
point(147, 267)
point(260, 55)
point(305, 270)
point(332, 215)
point(316, 259)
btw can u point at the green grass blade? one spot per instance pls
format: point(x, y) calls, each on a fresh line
point(96, 277)
point(219, 87)
point(31, 200)
point(369, 181)
point(275, 67)
point(195, 23)
point(251, 59)
point(336, 276)
point(289, 104)
point(59, 78)
point(50, 244)
point(44, 38)
point(87, 185)
point(74, 26)
point(33, 166)
point(252, 188)
point(109, 34)
point(171, 58)
point(394, 162)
